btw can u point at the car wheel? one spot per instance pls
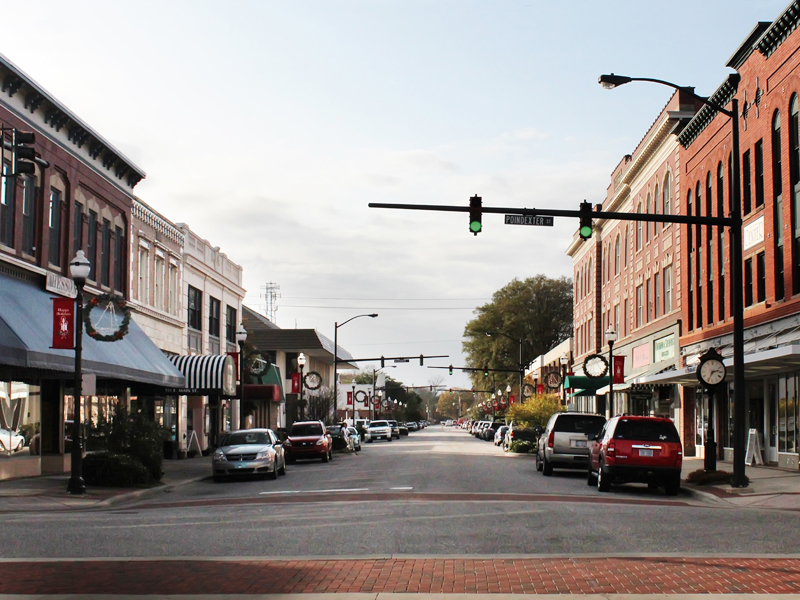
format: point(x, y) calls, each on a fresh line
point(538, 463)
point(273, 474)
point(592, 478)
point(326, 457)
point(389, 439)
point(330, 454)
point(547, 468)
point(603, 483)
point(672, 485)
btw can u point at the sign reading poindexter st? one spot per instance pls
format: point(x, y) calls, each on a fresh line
point(529, 220)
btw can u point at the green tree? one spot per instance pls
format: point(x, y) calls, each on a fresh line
point(536, 410)
point(537, 310)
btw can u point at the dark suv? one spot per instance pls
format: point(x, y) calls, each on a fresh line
point(641, 449)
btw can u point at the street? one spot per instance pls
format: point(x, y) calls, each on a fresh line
point(434, 493)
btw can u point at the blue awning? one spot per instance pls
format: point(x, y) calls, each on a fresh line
point(26, 333)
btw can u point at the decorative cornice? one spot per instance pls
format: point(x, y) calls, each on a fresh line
point(721, 97)
point(780, 29)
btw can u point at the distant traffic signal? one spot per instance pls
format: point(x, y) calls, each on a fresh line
point(383, 362)
point(451, 369)
point(22, 153)
point(586, 220)
point(421, 358)
point(475, 214)
point(485, 371)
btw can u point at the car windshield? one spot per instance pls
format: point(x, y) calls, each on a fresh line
point(379, 424)
point(247, 437)
point(307, 429)
point(587, 424)
point(646, 430)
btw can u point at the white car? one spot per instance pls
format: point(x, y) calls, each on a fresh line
point(379, 430)
point(11, 441)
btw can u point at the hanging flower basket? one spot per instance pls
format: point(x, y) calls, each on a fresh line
point(110, 304)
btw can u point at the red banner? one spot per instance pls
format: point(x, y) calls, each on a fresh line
point(295, 383)
point(619, 369)
point(512, 399)
point(349, 398)
point(540, 388)
point(63, 323)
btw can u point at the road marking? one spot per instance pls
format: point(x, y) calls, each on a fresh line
point(315, 491)
point(402, 488)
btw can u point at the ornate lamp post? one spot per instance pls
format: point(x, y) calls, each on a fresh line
point(354, 402)
point(79, 269)
point(301, 362)
point(336, 359)
point(564, 361)
point(611, 337)
point(241, 337)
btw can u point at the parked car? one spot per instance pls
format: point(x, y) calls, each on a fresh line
point(308, 439)
point(490, 431)
point(380, 430)
point(565, 441)
point(413, 426)
point(395, 428)
point(500, 434)
point(402, 428)
point(249, 452)
point(521, 434)
point(637, 449)
point(11, 441)
point(356, 437)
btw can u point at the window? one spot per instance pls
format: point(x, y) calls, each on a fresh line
point(625, 249)
point(759, 170)
point(29, 215)
point(213, 320)
point(173, 289)
point(119, 257)
point(7, 208)
point(656, 295)
point(77, 229)
point(54, 228)
point(639, 306)
point(230, 324)
point(689, 227)
point(195, 309)
point(647, 225)
point(666, 194)
point(747, 185)
point(616, 255)
point(721, 240)
point(144, 273)
point(91, 245)
point(105, 253)
point(639, 229)
point(626, 320)
point(748, 282)
point(667, 289)
point(158, 284)
point(616, 317)
point(761, 278)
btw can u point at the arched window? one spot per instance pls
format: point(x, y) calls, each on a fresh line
point(616, 255)
point(639, 229)
point(689, 237)
point(666, 194)
point(578, 284)
point(590, 278)
point(655, 211)
point(649, 209)
point(625, 249)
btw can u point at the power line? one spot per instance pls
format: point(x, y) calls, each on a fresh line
point(384, 307)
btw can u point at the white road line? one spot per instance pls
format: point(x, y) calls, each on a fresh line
point(315, 491)
point(402, 488)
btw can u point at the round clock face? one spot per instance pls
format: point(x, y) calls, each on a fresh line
point(712, 372)
point(595, 366)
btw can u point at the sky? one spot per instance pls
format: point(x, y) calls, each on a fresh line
point(269, 126)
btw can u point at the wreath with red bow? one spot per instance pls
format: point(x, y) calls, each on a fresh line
point(104, 301)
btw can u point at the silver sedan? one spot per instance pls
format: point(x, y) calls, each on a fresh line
point(11, 441)
point(249, 452)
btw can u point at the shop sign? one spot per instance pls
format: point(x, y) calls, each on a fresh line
point(58, 284)
point(754, 233)
point(664, 348)
point(641, 355)
point(63, 323)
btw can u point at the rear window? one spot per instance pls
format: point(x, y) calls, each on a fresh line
point(645, 430)
point(379, 424)
point(308, 429)
point(587, 424)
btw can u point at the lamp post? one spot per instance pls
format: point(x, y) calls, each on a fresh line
point(564, 360)
point(301, 362)
point(611, 337)
point(336, 358)
point(79, 269)
point(736, 258)
point(241, 337)
point(374, 373)
point(354, 402)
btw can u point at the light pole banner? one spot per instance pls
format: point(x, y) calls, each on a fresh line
point(295, 383)
point(619, 369)
point(63, 323)
point(349, 398)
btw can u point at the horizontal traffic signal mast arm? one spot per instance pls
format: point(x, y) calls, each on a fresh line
point(481, 370)
point(384, 358)
point(547, 212)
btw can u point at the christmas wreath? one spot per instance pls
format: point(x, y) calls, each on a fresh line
point(108, 302)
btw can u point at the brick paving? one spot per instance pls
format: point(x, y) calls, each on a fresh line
point(622, 575)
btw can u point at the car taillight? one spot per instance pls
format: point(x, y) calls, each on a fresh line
point(551, 439)
point(611, 448)
point(511, 435)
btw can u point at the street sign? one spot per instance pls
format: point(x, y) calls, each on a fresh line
point(529, 220)
point(400, 360)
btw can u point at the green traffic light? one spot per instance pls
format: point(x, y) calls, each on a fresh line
point(475, 226)
point(586, 232)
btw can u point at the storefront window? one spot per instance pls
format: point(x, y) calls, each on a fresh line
point(19, 420)
point(782, 414)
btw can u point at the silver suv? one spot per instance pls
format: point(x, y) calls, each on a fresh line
point(565, 441)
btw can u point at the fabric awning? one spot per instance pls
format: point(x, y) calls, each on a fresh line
point(267, 386)
point(587, 385)
point(26, 333)
point(206, 375)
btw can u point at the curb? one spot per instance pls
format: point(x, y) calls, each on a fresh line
point(137, 494)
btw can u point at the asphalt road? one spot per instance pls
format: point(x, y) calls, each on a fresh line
point(437, 492)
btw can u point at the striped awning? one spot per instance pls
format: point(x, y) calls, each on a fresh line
point(206, 375)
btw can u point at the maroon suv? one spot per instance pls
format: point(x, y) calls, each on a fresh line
point(641, 449)
point(308, 439)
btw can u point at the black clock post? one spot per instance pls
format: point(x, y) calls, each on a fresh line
point(710, 372)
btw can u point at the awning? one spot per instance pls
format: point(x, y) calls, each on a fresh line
point(206, 375)
point(585, 386)
point(265, 387)
point(26, 333)
point(633, 381)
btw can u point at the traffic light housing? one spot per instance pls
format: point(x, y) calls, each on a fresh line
point(23, 153)
point(485, 371)
point(451, 369)
point(383, 362)
point(475, 214)
point(585, 230)
point(421, 358)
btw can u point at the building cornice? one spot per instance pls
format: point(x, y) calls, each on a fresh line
point(721, 97)
point(780, 29)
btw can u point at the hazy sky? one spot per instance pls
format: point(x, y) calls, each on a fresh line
point(268, 126)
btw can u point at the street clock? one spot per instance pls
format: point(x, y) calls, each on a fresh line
point(711, 371)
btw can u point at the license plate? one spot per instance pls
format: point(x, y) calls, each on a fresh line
point(580, 443)
point(643, 452)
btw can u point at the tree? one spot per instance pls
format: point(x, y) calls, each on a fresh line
point(536, 410)
point(537, 310)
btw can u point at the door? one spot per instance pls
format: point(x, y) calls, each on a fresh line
point(771, 425)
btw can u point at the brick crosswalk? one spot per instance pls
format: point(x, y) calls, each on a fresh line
point(530, 575)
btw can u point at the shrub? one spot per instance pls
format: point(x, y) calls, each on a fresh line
point(522, 447)
point(702, 477)
point(113, 470)
point(536, 410)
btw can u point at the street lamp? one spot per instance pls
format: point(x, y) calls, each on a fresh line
point(564, 361)
point(79, 269)
point(241, 337)
point(611, 337)
point(336, 358)
point(301, 362)
point(354, 401)
point(374, 373)
point(736, 258)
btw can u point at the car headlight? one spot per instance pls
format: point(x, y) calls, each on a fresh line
point(219, 455)
point(264, 454)
point(321, 442)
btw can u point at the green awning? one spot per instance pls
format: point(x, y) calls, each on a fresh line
point(270, 377)
point(585, 386)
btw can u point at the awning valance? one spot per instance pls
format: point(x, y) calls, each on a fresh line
point(206, 375)
point(587, 384)
point(267, 386)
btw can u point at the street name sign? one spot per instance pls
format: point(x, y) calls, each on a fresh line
point(529, 220)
